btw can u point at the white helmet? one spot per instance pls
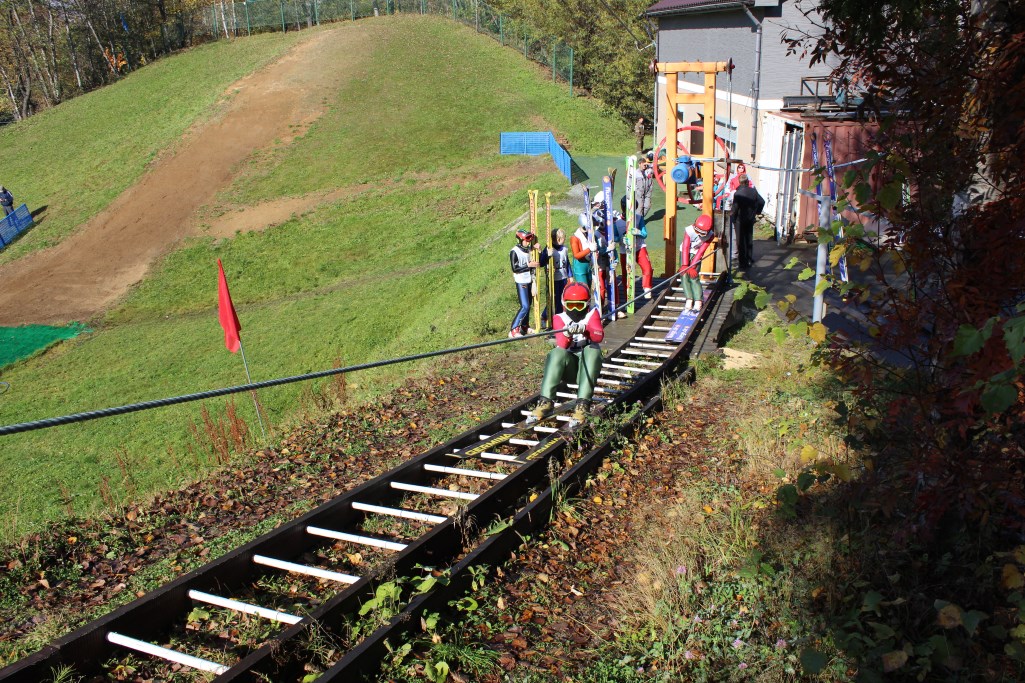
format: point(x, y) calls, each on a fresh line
point(599, 198)
point(584, 220)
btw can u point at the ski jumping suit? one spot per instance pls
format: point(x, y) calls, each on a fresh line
point(645, 178)
point(692, 249)
point(640, 250)
point(560, 264)
point(522, 276)
point(581, 264)
point(577, 358)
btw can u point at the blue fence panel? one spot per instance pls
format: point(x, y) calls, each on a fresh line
point(13, 224)
point(535, 144)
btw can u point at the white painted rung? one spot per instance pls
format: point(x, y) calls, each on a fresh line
point(306, 570)
point(594, 399)
point(431, 491)
point(464, 473)
point(399, 512)
point(515, 442)
point(355, 538)
point(639, 362)
point(665, 317)
point(658, 328)
point(536, 428)
point(244, 607)
point(670, 308)
point(605, 380)
point(606, 370)
point(676, 298)
point(499, 456)
point(635, 352)
point(632, 371)
point(165, 653)
point(665, 351)
point(597, 389)
point(546, 430)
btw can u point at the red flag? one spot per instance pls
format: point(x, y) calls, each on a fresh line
point(226, 312)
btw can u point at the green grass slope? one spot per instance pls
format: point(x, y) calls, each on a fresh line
point(417, 262)
point(76, 158)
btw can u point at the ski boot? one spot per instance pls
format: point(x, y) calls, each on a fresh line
point(580, 413)
point(541, 411)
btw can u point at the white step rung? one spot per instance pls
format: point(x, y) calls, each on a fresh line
point(671, 308)
point(536, 428)
point(665, 317)
point(649, 353)
point(573, 396)
point(245, 607)
point(639, 362)
point(304, 569)
point(501, 457)
point(487, 456)
point(658, 328)
point(515, 442)
point(655, 347)
point(632, 371)
point(676, 298)
point(597, 390)
point(464, 473)
point(399, 512)
point(355, 538)
point(431, 491)
point(611, 372)
point(166, 653)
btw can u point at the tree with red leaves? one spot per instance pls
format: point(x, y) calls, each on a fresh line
point(945, 291)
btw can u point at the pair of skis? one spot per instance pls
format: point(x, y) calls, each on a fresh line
point(827, 145)
point(629, 256)
point(595, 272)
point(535, 255)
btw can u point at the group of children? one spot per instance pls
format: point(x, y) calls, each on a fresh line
point(574, 263)
point(576, 320)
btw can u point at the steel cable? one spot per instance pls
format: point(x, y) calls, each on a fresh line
point(214, 393)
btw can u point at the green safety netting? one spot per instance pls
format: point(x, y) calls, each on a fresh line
point(21, 342)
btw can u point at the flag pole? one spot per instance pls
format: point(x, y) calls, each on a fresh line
point(249, 379)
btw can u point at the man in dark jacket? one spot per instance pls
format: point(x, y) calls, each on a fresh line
point(747, 204)
point(6, 201)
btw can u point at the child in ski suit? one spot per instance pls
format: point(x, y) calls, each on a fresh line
point(608, 253)
point(523, 276)
point(558, 256)
point(640, 236)
point(582, 244)
point(696, 239)
point(577, 354)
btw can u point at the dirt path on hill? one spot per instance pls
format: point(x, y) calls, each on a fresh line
point(93, 268)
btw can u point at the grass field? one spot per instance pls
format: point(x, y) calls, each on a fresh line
point(417, 263)
point(76, 158)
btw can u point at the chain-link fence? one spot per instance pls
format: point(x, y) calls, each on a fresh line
point(222, 19)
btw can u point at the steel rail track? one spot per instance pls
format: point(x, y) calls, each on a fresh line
point(505, 456)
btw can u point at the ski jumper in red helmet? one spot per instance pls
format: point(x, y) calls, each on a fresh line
point(576, 356)
point(696, 239)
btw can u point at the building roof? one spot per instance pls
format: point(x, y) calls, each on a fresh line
point(665, 7)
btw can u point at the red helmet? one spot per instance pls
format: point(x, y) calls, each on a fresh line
point(703, 224)
point(525, 235)
point(576, 300)
point(575, 292)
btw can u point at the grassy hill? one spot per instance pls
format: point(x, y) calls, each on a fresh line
point(412, 259)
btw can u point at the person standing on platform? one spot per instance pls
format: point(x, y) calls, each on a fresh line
point(644, 176)
point(557, 258)
point(582, 244)
point(696, 239)
point(747, 205)
point(523, 276)
point(640, 236)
